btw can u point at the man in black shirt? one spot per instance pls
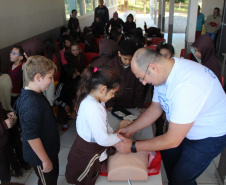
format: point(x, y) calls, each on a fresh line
point(102, 11)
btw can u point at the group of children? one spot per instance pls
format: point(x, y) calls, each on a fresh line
point(41, 138)
point(87, 92)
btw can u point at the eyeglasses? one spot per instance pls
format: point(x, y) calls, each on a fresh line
point(142, 79)
point(13, 53)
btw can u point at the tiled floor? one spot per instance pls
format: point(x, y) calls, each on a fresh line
point(67, 139)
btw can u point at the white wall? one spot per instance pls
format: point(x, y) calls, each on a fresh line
point(209, 5)
point(22, 19)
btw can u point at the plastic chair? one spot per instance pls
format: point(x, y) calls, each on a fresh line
point(155, 41)
point(153, 47)
point(90, 56)
point(190, 55)
point(182, 53)
point(82, 46)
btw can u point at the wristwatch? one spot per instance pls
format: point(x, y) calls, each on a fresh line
point(133, 147)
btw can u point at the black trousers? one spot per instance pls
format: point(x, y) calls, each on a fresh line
point(4, 165)
point(47, 178)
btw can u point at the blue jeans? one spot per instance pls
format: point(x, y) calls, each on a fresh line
point(212, 35)
point(186, 162)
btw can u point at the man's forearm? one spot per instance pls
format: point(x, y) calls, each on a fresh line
point(147, 118)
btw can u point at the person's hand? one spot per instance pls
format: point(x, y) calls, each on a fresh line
point(123, 146)
point(124, 123)
point(124, 131)
point(47, 166)
point(12, 115)
point(141, 110)
point(9, 122)
point(67, 108)
point(109, 109)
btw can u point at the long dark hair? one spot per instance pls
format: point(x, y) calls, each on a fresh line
point(50, 48)
point(103, 75)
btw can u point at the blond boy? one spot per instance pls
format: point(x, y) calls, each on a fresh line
point(39, 129)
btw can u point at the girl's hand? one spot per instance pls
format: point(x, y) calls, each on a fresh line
point(123, 131)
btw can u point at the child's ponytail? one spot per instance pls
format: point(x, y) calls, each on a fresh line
point(83, 89)
point(92, 78)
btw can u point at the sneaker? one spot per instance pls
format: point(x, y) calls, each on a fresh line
point(17, 173)
point(64, 128)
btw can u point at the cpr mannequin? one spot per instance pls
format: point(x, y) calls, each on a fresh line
point(133, 166)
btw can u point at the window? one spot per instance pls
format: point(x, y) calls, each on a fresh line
point(88, 6)
point(111, 2)
point(70, 5)
point(67, 9)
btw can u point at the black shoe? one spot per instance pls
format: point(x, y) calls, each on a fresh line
point(17, 173)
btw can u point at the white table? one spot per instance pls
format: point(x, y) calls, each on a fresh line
point(141, 135)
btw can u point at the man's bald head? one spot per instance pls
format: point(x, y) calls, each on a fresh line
point(145, 56)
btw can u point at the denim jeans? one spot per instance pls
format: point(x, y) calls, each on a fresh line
point(212, 35)
point(186, 162)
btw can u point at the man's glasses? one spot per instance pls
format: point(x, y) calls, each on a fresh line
point(142, 79)
point(13, 53)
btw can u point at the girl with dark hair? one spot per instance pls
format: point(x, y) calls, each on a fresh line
point(65, 93)
point(129, 24)
point(95, 135)
point(67, 45)
point(165, 49)
point(52, 52)
point(77, 58)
